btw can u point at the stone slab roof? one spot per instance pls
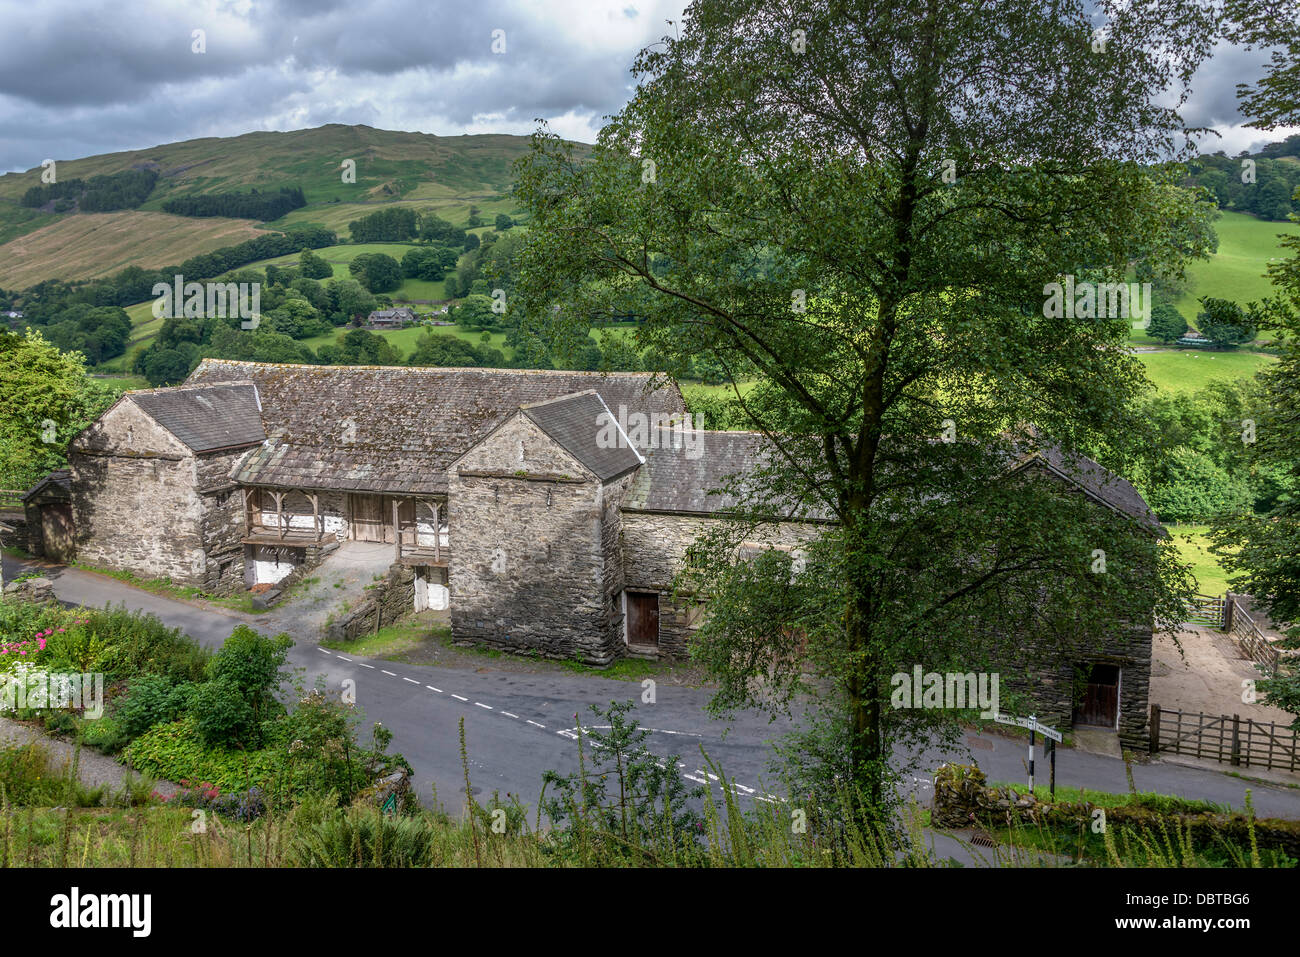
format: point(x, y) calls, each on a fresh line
point(396, 429)
point(585, 428)
point(1099, 482)
point(205, 418)
point(54, 487)
point(677, 478)
point(681, 467)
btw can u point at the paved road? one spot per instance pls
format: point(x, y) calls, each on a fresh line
point(519, 725)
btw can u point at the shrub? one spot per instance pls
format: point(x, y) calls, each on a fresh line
point(231, 707)
point(362, 837)
point(177, 752)
point(150, 700)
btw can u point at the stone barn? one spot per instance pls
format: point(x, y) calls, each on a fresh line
point(548, 511)
point(150, 483)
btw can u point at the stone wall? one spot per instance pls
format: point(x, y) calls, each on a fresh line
point(528, 549)
point(134, 498)
point(222, 522)
point(1050, 687)
point(385, 602)
point(653, 549)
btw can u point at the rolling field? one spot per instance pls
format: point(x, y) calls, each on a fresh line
point(1236, 271)
point(445, 173)
point(94, 245)
point(1187, 370)
point(1194, 548)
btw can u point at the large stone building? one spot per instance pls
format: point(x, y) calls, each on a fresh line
point(548, 511)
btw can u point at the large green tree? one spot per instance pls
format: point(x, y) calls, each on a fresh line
point(860, 206)
point(46, 398)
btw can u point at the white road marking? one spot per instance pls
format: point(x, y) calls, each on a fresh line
point(480, 704)
point(324, 651)
point(411, 680)
point(432, 688)
point(345, 659)
point(364, 665)
point(459, 698)
point(389, 673)
point(535, 724)
point(509, 715)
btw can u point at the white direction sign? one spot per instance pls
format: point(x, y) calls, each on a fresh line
point(1030, 723)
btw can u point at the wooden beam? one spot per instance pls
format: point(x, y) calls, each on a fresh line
point(397, 532)
point(316, 522)
point(279, 513)
point(437, 535)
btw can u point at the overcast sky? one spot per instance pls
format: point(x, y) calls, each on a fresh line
point(81, 77)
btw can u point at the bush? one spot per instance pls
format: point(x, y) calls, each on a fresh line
point(177, 752)
point(362, 837)
point(230, 708)
point(150, 700)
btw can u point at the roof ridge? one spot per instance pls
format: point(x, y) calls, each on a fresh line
point(525, 372)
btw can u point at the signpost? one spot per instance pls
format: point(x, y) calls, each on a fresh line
point(1034, 727)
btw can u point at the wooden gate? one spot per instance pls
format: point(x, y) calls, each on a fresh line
point(367, 517)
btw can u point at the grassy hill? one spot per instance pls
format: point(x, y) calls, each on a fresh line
point(444, 173)
point(1236, 271)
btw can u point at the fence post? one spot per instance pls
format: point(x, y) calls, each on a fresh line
point(1228, 606)
point(1236, 741)
point(1155, 728)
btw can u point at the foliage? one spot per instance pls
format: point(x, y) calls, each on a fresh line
point(1225, 323)
point(1167, 323)
point(99, 194)
point(376, 271)
point(395, 224)
point(151, 700)
point(434, 349)
point(46, 398)
point(704, 209)
point(313, 266)
point(250, 205)
point(650, 808)
point(230, 708)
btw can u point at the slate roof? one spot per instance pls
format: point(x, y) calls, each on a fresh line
point(579, 423)
point(681, 468)
point(677, 479)
point(57, 485)
point(214, 416)
point(1098, 481)
point(393, 428)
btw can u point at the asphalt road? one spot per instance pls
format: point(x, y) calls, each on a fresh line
point(517, 726)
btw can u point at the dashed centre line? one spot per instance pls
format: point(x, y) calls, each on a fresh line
point(480, 704)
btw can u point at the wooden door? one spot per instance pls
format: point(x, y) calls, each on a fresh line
point(1100, 704)
point(643, 618)
point(367, 518)
point(56, 532)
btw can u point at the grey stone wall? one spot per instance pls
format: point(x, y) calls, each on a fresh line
point(529, 549)
point(653, 549)
point(134, 498)
point(1049, 688)
point(222, 522)
point(385, 602)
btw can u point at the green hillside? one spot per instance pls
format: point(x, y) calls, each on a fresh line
point(1236, 271)
point(448, 174)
